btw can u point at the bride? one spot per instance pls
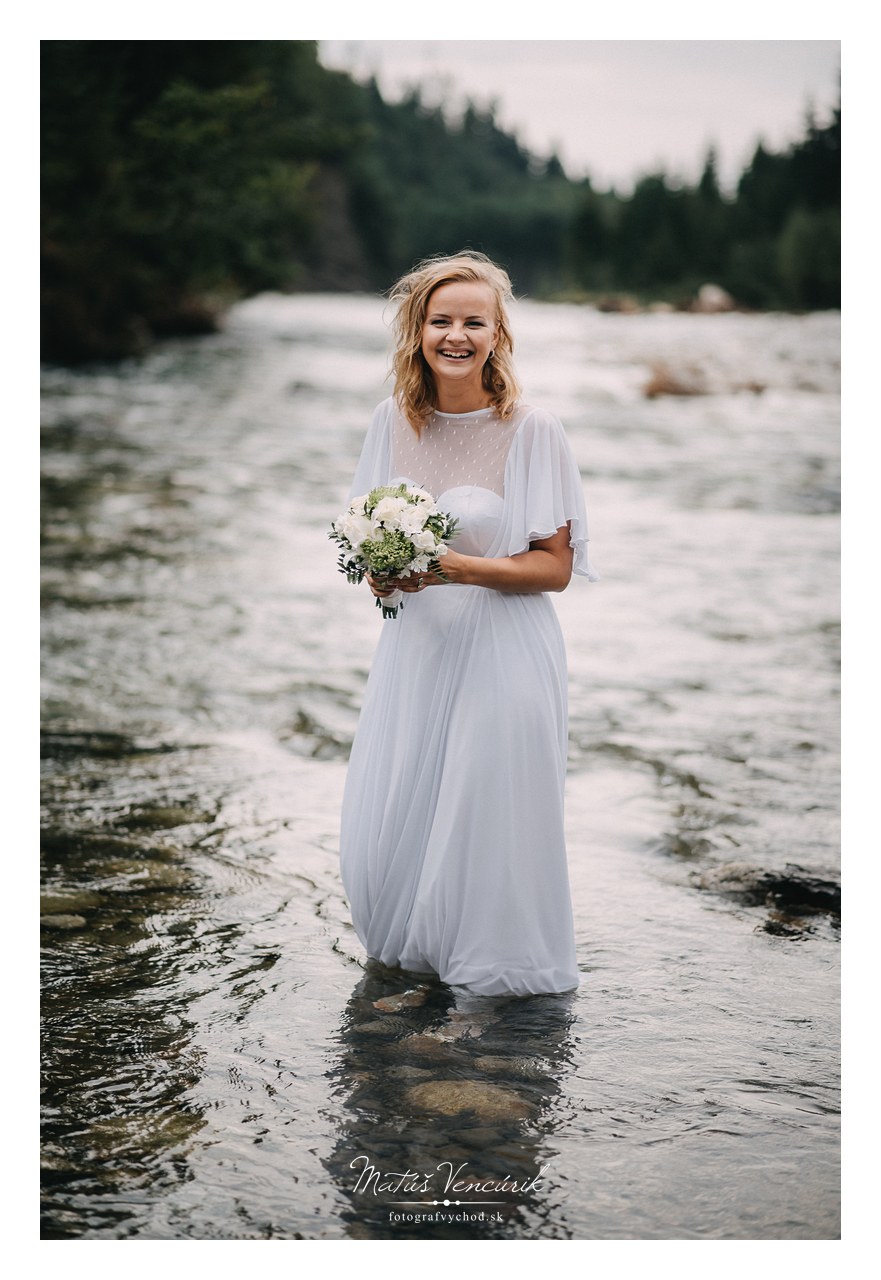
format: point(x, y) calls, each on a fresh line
point(452, 847)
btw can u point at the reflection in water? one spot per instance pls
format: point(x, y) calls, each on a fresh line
point(443, 1090)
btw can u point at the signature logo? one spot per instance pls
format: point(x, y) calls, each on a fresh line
point(411, 1182)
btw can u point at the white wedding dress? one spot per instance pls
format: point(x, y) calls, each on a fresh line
point(452, 849)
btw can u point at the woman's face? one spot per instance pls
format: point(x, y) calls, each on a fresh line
point(459, 332)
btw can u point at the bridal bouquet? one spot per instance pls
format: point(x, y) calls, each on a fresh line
point(391, 532)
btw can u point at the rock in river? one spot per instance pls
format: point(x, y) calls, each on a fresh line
point(62, 922)
point(402, 1000)
point(453, 1097)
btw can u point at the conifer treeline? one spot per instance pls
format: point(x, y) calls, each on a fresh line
point(179, 175)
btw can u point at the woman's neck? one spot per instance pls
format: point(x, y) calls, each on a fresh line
point(462, 399)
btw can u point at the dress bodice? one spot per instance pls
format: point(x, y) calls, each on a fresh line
point(460, 459)
point(509, 481)
point(479, 513)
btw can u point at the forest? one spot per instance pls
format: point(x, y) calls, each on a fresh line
point(179, 176)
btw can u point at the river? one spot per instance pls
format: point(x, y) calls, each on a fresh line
point(215, 1067)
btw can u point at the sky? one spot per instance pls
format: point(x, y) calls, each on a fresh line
point(616, 109)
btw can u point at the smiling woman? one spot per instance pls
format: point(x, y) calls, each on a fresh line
point(442, 322)
point(452, 847)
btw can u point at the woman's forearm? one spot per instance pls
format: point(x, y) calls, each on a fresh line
point(536, 570)
point(546, 566)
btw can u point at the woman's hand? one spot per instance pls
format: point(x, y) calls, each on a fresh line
point(451, 566)
point(380, 587)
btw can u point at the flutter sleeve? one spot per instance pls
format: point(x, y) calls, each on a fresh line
point(374, 465)
point(543, 492)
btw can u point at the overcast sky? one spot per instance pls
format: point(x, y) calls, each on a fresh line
point(616, 109)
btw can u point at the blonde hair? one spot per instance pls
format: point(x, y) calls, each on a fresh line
point(415, 391)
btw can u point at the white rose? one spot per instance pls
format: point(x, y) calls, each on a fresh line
point(387, 510)
point(354, 528)
point(425, 498)
point(412, 520)
point(358, 504)
point(424, 541)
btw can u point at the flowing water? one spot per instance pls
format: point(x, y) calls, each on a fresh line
point(215, 1064)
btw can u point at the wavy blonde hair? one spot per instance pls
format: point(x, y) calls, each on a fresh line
point(415, 391)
